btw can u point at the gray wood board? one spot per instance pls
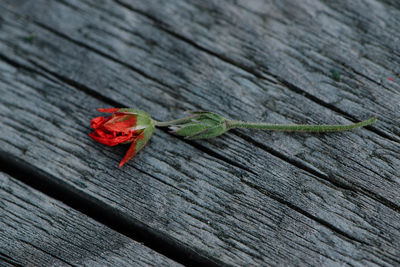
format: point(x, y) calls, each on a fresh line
point(339, 191)
point(176, 76)
point(36, 230)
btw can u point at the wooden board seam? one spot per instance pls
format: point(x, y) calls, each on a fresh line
point(102, 213)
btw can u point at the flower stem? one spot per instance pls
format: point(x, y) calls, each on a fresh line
point(173, 122)
point(298, 127)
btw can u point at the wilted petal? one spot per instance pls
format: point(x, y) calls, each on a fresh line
point(104, 140)
point(129, 154)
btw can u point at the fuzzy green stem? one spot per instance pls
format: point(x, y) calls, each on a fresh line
point(298, 127)
point(173, 122)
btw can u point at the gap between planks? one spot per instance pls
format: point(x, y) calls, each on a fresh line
point(8, 260)
point(103, 213)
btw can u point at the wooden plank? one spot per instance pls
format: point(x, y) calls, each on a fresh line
point(185, 85)
point(36, 230)
point(275, 178)
point(341, 164)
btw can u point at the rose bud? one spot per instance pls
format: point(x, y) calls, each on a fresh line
point(201, 125)
point(123, 127)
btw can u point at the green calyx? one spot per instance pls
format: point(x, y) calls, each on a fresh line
point(143, 119)
point(144, 124)
point(147, 133)
point(200, 125)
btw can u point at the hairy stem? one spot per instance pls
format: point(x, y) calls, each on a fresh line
point(298, 127)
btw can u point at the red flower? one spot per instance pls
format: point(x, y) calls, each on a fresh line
point(124, 126)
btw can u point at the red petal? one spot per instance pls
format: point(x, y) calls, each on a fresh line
point(120, 123)
point(108, 110)
point(129, 154)
point(97, 122)
point(109, 140)
point(103, 140)
point(103, 133)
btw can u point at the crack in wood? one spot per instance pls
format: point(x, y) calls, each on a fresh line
point(105, 55)
point(305, 213)
point(321, 175)
point(12, 262)
point(46, 252)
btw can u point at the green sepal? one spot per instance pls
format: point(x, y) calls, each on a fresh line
point(147, 133)
point(201, 125)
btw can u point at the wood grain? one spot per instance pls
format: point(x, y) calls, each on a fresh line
point(39, 231)
point(246, 198)
point(183, 81)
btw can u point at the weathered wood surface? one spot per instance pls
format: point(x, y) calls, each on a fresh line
point(36, 230)
point(246, 198)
